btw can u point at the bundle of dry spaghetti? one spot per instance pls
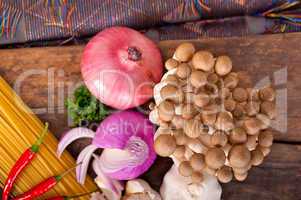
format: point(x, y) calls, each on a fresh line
point(19, 128)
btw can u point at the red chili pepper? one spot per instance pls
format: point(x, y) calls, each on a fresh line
point(21, 163)
point(42, 187)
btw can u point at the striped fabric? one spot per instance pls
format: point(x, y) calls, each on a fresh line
point(35, 20)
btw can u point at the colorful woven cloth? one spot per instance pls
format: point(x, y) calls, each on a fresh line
point(36, 20)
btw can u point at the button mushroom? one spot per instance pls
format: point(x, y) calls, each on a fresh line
point(184, 52)
point(171, 64)
point(240, 94)
point(198, 78)
point(238, 136)
point(203, 60)
point(267, 94)
point(239, 156)
point(166, 111)
point(197, 162)
point(223, 65)
point(185, 169)
point(265, 138)
point(225, 174)
point(165, 145)
point(215, 158)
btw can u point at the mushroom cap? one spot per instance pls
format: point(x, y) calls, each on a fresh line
point(208, 119)
point(171, 80)
point(224, 93)
point(240, 177)
point(188, 111)
point(185, 169)
point(224, 174)
point(223, 65)
point(181, 138)
point(265, 138)
point(253, 94)
point(180, 151)
point(165, 145)
point(201, 99)
point(170, 92)
point(251, 142)
point(215, 158)
point(239, 156)
point(193, 128)
point(256, 157)
point(264, 150)
point(229, 104)
point(219, 139)
point(197, 161)
point(171, 64)
point(166, 111)
point(224, 121)
point(206, 140)
point(184, 52)
point(203, 60)
point(238, 136)
point(210, 171)
point(212, 78)
point(252, 126)
point(264, 119)
point(197, 177)
point(240, 94)
point(238, 111)
point(198, 78)
point(267, 94)
point(252, 108)
point(268, 108)
point(183, 70)
point(242, 170)
point(177, 122)
point(231, 80)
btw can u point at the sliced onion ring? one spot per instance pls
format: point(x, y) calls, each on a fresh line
point(71, 136)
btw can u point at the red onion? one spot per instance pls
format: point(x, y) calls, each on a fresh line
point(120, 67)
point(127, 139)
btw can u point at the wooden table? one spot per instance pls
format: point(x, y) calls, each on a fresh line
point(51, 73)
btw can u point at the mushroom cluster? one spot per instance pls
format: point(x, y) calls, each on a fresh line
point(207, 120)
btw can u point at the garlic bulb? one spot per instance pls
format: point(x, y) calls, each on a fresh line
point(142, 187)
point(177, 187)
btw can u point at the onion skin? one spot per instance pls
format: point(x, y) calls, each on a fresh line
point(120, 67)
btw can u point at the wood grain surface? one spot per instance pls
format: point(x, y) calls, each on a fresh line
point(48, 75)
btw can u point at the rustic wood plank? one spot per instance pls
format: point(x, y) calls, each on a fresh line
point(261, 56)
point(278, 178)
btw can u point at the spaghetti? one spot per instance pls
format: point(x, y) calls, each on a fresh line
point(19, 128)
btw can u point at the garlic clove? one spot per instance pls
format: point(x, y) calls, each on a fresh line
point(208, 189)
point(139, 186)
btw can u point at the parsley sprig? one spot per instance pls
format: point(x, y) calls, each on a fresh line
point(83, 106)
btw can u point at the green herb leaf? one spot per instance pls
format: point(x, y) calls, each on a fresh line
point(85, 107)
